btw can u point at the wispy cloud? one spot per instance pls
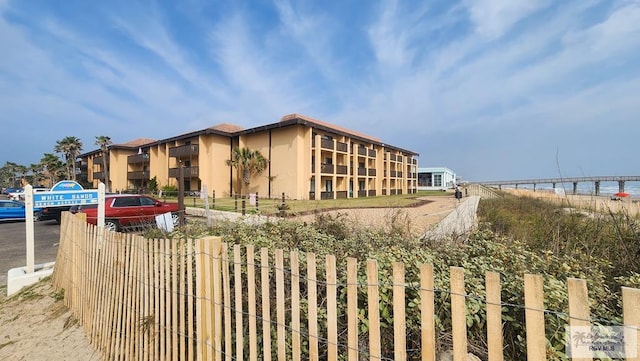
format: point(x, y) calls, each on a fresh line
point(407, 72)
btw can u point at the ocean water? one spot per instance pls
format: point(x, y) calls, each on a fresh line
point(589, 188)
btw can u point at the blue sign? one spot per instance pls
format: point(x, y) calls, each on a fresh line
point(65, 198)
point(67, 185)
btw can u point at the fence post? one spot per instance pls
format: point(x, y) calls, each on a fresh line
point(213, 206)
point(579, 314)
point(399, 313)
point(282, 206)
point(631, 316)
point(427, 311)
point(458, 313)
point(257, 201)
point(373, 301)
point(494, 316)
point(244, 208)
point(207, 250)
point(534, 317)
point(235, 205)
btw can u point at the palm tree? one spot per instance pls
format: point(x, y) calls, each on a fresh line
point(70, 147)
point(53, 166)
point(104, 142)
point(247, 163)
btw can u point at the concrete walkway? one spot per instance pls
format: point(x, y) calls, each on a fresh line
point(459, 223)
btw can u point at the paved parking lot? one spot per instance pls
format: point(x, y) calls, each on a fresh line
point(13, 248)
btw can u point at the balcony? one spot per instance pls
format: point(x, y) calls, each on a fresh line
point(372, 153)
point(326, 195)
point(372, 192)
point(341, 194)
point(399, 175)
point(184, 151)
point(99, 160)
point(138, 158)
point(362, 171)
point(327, 168)
point(341, 147)
point(341, 169)
point(392, 173)
point(326, 144)
point(138, 175)
point(362, 151)
point(189, 172)
point(98, 175)
point(362, 193)
point(372, 172)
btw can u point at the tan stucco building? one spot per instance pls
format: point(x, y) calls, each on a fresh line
point(306, 159)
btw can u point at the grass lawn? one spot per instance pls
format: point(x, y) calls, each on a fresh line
point(270, 206)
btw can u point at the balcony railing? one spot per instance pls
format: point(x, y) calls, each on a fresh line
point(372, 153)
point(327, 168)
point(184, 151)
point(98, 175)
point(341, 194)
point(138, 175)
point(326, 143)
point(189, 172)
point(326, 195)
point(99, 160)
point(341, 169)
point(362, 171)
point(372, 172)
point(341, 147)
point(138, 158)
point(399, 175)
point(362, 151)
point(392, 173)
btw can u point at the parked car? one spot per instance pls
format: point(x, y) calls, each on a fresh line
point(18, 195)
point(128, 210)
point(6, 191)
point(11, 210)
point(49, 213)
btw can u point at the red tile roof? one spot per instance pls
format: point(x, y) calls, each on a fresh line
point(227, 128)
point(137, 142)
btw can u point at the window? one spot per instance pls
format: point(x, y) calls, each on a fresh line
point(437, 180)
point(126, 202)
point(328, 185)
point(144, 201)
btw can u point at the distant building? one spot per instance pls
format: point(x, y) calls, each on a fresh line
point(436, 178)
point(306, 159)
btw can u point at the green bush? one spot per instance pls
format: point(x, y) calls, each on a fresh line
point(484, 251)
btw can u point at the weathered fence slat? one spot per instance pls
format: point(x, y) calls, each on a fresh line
point(237, 280)
point(280, 306)
point(579, 314)
point(253, 316)
point(427, 313)
point(352, 308)
point(295, 307)
point(494, 316)
point(266, 304)
point(332, 309)
point(399, 316)
point(458, 313)
point(534, 318)
point(312, 291)
point(373, 301)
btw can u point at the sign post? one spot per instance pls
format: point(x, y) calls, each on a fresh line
point(28, 219)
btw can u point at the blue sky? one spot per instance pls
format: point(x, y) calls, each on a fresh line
point(493, 89)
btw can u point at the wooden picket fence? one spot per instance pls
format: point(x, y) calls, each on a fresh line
point(162, 299)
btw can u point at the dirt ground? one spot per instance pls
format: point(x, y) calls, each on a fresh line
point(36, 326)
